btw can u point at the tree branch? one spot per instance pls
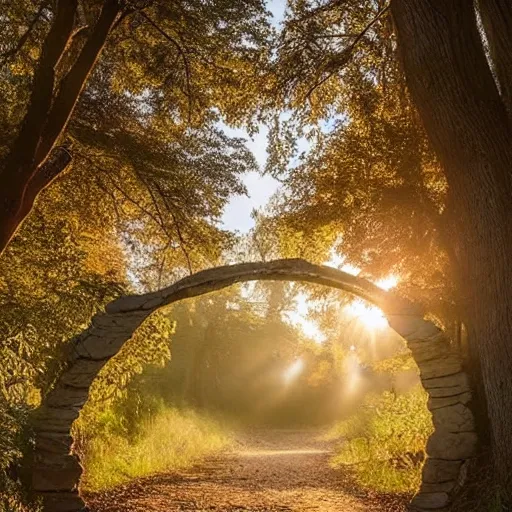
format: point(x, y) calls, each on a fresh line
point(182, 54)
point(178, 229)
point(73, 83)
point(19, 162)
point(24, 38)
point(347, 52)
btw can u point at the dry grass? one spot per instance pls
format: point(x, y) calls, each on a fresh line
point(383, 443)
point(171, 440)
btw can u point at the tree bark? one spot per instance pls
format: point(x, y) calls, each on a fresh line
point(74, 82)
point(497, 21)
point(18, 163)
point(464, 116)
point(25, 173)
point(12, 210)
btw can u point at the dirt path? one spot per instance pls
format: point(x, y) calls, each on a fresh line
point(276, 470)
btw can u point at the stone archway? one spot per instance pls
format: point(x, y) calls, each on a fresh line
point(57, 471)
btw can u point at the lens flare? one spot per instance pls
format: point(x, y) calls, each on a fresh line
point(388, 282)
point(371, 316)
point(293, 371)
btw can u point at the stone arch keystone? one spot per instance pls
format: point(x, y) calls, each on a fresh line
point(57, 471)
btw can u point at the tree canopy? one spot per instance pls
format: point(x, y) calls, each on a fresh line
point(389, 131)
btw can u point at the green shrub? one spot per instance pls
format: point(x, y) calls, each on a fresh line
point(15, 444)
point(170, 439)
point(384, 441)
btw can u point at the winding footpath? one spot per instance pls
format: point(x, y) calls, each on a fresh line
point(266, 470)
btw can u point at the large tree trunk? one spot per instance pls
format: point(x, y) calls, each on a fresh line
point(466, 120)
point(16, 204)
point(32, 164)
point(18, 169)
point(497, 20)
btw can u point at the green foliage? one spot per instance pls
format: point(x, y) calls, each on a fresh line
point(14, 442)
point(58, 272)
point(144, 135)
point(169, 439)
point(150, 346)
point(17, 397)
point(370, 184)
point(384, 442)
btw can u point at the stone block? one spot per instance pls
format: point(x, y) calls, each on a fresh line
point(436, 403)
point(436, 348)
point(439, 470)
point(446, 487)
point(450, 385)
point(101, 347)
point(451, 446)
point(153, 303)
point(454, 418)
point(459, 379)
point(412, 328)
point(54, 419)
point(82, 372)
point(430, 500)
point(53, 442)
point(62, 502)
point(66, 396)
point(56, 474)
point(443, 366)
point(126, 304)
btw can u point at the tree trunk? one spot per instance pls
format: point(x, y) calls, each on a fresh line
point(12, 211)
point(75, 80)
point(497, 21)
point(464, 116)
point(29, 167)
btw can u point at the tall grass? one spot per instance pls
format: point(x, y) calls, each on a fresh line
point(384, 442)
point(171, 439)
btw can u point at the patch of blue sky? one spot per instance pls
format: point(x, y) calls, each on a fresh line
point(277, 8)
point(260, 186)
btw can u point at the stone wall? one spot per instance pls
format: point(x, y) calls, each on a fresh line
point(57, 471)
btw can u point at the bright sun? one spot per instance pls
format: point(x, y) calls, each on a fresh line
point(370, 316)
point(388, 282)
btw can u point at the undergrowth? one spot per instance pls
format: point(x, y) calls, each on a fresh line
point(170, 439)
point(383, 443)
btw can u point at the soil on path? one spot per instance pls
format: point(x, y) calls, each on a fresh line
point(271, 470)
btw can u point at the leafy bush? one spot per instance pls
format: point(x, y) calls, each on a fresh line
point(17, 398)
point(384, 442)
point(168, 440)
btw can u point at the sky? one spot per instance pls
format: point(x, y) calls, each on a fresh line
point(237, 214)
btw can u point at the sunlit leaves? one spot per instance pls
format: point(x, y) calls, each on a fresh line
point(370, 178)
point(385, 441)
point(150, 345)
